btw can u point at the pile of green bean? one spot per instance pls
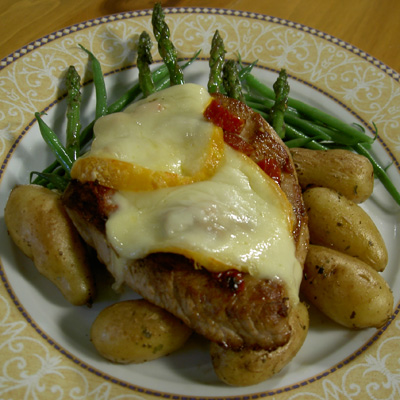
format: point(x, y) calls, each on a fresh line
point(307, 126)
point(298, 124)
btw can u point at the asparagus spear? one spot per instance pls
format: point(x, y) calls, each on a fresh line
point(231, 81)
point(216, 63)
point(144, 59)
point(281, 90)
point(165, 46)
point(73, 112)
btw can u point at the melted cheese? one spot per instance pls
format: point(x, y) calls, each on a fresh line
point(239, 219)
point(235, 218)
point(160, 141)
point(165, 132)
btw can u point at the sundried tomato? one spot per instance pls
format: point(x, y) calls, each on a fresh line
point(222, 117)
point(271, 167)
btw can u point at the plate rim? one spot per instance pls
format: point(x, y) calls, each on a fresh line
point(5, 61)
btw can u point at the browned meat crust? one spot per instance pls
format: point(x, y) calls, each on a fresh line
point(92, 201)
point(253, 315)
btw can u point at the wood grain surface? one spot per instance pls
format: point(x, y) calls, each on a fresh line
point(371, 25)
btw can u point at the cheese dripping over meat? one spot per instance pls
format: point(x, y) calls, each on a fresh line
point(236, 218)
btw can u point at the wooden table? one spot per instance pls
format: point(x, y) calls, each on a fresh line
point(371, 25)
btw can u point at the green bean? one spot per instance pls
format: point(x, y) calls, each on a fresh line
point(264, 114)
point(310, 112)
point(379, 172)
point(54, 143)
point(51, 180)
point(264, 103)
point(293, 133)
point(49, 169)
point(244, 71)
point(292, 119)
point(298, 142)
point(338, 138)
point(99, 84)
point(306, 126)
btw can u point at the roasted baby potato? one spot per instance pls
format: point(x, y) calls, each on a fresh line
point(135, 331)
point(346, 289)
point(249, 367)
point(348, 173)
point(340, 224)
point(39, 225)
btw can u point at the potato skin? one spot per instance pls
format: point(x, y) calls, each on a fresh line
point(249, 367)
point(135, 331)
point(39, 225)
point(348, 173)
point(346, 289)
point(340, 224)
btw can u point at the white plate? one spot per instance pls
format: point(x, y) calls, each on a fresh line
point(45, 349)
